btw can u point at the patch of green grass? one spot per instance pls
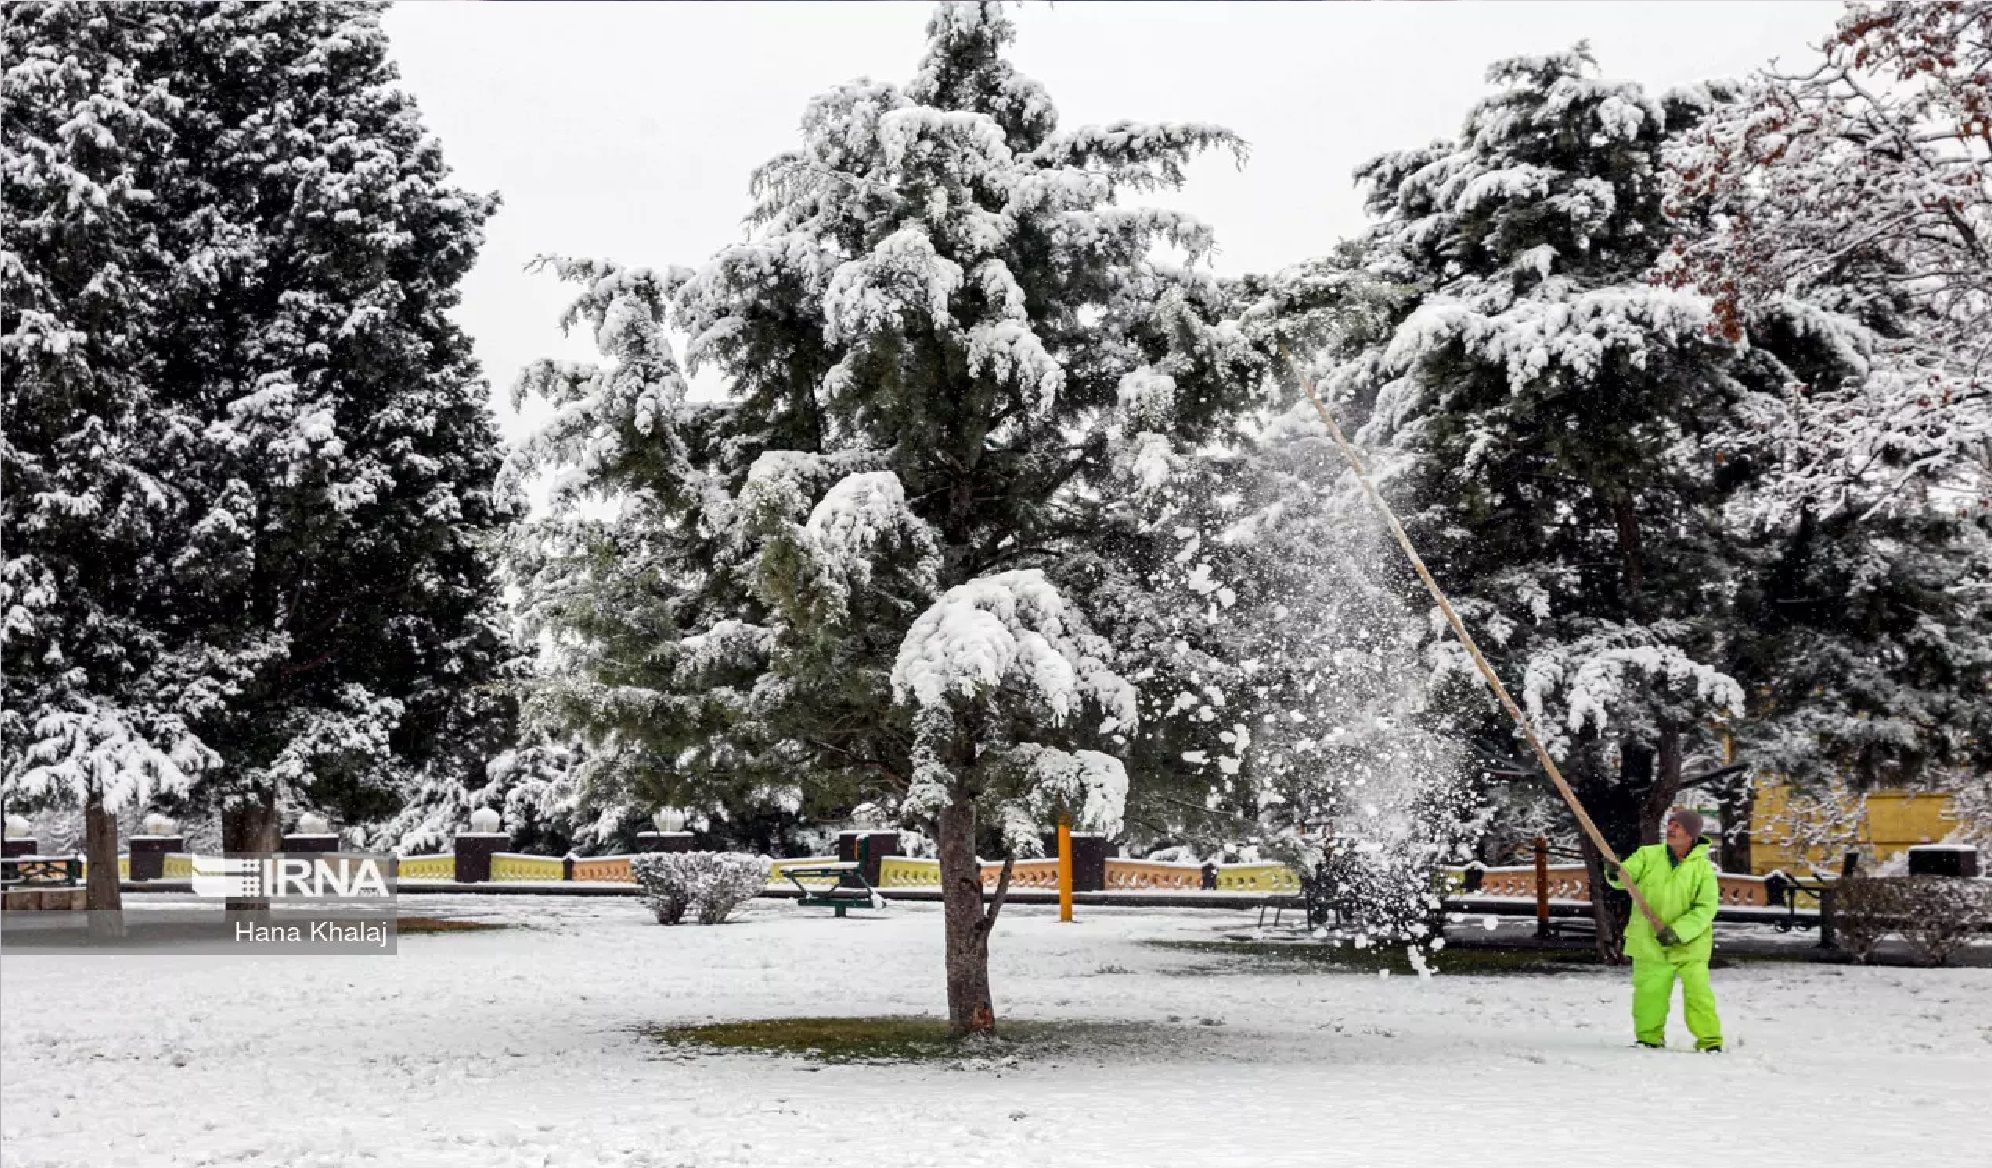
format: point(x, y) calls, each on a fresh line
point(1289, 956)
point(892, 1039)
point(412, 926)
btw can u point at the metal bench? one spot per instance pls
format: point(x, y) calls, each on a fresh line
point(852, 890)
point(41, 882)
point(41, 872)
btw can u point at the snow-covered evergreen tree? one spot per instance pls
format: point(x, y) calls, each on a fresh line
point(843, 582)
point(250, 461)
point(1547, 423)
point(92, 716)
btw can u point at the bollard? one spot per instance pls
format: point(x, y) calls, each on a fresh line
point(1064, 871)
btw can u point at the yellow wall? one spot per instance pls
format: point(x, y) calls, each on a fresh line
point(1891, 822)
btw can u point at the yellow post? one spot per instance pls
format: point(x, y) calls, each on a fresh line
point(1064, 870)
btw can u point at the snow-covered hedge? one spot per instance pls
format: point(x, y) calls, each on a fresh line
point(1934, 914)
point(708, 884)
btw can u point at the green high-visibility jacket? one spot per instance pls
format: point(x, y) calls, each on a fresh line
point(1683, 893)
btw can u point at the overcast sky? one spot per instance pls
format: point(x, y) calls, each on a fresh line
point(627, 131)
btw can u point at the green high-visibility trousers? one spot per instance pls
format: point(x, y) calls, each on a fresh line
point(1653, 992)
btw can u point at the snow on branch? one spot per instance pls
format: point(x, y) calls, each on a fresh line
point(88, 748)
point(1620, 674)
point(1014, 630)
point(1085, 787)
point(861, 516)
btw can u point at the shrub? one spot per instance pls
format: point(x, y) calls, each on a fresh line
point(1865, 909)
point(1935, 914)
point(1942, 912)
point(708, 884)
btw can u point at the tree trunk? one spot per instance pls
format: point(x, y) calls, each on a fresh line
point(970, 1010)
point(102, 897)
point(1625, 516)
point(1666, 783)
point(1608, 915)
point(1617, 805)
point(250, 827)
point(1735, 807)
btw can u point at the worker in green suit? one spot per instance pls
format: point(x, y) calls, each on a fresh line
point(1679, 883)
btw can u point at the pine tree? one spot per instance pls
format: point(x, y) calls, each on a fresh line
point(270, 399)
point(92, 716)
point(844, 582)
point(1546, 421)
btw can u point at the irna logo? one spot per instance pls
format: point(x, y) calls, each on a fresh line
point(329, 876)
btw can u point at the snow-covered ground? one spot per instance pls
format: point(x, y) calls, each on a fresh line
point(520, 1047)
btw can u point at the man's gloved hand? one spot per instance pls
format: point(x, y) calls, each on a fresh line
point(1666, 936)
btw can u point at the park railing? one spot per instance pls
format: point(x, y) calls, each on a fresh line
point(1570, 882)
point(1563, 884)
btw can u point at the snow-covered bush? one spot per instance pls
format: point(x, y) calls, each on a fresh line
point(1941, 913)
point(1934, 914)
point(1865, 909)
point(708, 884)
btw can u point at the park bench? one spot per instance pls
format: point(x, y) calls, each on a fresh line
point(852, 890)
point(41, 882)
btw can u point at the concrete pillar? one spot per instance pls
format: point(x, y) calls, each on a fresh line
point(17, 837)
point(313, 834)
point(868, 848)
point(148, 854)
point(663, 841)
point(474, 848)
point(1090, 850)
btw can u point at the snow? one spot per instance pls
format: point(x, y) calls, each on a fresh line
point(1568, 330)
point(96, 748)
point(857, 517)
point(516, 1048)
point(1013, 627)
point(1092, 784)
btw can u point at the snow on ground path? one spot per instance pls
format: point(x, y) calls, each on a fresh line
point(518, 1047)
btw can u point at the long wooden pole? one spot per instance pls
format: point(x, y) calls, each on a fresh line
point(1549, 766)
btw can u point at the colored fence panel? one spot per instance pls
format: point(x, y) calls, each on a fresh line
point(1257, 878)
point(436, 867)
point(604, 869)
point(775, 869)
point(1136, 875)
point(124, 867)
point(515, 866)
point(1025, 874)
point(907, 872)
